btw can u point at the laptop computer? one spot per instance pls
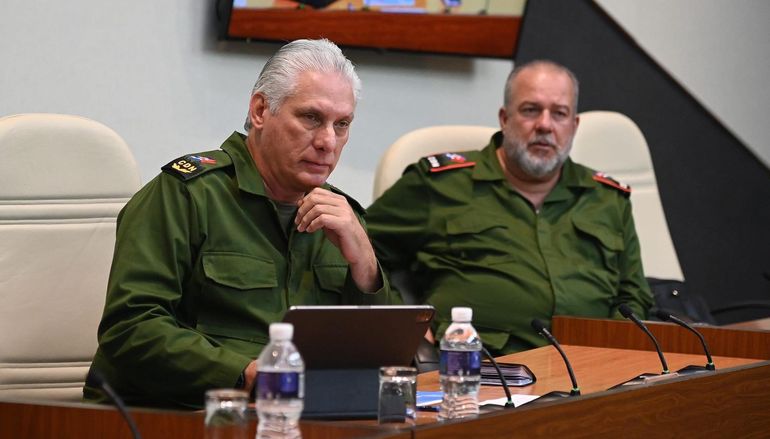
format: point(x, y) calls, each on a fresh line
point(343, 348)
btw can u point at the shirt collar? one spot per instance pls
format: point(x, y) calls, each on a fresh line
point(488, 166)
point(246, 172)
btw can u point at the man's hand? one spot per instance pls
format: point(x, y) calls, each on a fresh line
point(250, 373)
point(323, 210)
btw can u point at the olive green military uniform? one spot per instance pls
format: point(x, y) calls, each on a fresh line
point(469, 239)
point(202, 266)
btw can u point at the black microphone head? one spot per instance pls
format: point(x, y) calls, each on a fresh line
point(662, 315)
point(625, 311)
point(538, 325)
point(95, 377)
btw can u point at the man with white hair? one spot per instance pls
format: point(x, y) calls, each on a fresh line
point(222, 243)
point(516, 231)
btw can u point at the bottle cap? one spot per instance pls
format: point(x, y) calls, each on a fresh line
point(462, 314)
point(281, 331)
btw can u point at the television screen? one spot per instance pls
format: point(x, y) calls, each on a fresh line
point(485, 28)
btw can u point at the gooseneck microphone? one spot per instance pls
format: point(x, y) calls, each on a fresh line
point(509, 403)
point(540, 328)
point(627, 313)
point(95, 377)
point(666, 317)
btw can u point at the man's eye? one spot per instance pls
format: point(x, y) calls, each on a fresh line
point(561, 115)
point(343, 124)
point(530, 111)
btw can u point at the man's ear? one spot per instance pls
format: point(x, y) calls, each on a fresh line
point(257, 110)
point(502, 115)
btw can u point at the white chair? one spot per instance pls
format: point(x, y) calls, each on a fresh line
point(606, 141)
point(612, 143)
point(63, 180)
point(422, 142)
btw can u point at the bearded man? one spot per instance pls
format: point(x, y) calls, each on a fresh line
point(517, 230)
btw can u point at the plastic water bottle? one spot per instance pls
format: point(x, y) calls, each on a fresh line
point(280, 385)
point(460, 367)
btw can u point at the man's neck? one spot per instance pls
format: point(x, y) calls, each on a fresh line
point(535, 190)
point(272, 189)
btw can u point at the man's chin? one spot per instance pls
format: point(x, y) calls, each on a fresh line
point(312, 181)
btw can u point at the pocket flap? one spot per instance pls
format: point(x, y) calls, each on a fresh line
point(608, 238)
point(240, 271)
point(471, 224)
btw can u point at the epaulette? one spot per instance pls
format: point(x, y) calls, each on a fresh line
point(353, 203)
point(605, 179)
point(193, 165)
point(446, 161)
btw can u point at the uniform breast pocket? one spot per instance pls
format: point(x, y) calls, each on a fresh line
point(600, 245)
point(239, 271)
point(480, 238)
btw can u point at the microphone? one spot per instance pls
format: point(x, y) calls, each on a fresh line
point(627, 313)
point(509, 402)
point(96, 377)
point(666, 317)
point(540, 328)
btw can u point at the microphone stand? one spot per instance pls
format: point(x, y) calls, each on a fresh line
point(509, 402)
point(98, 379)
point(666, 317)
point(645, 378)
point(540, 328)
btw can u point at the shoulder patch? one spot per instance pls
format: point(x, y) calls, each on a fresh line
point(605, 179)
point(447, 161)
point(192, 165)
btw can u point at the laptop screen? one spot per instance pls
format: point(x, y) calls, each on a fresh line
point(358, 337)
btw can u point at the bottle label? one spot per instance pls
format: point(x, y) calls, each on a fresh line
point(278, 385)
point(462, 363)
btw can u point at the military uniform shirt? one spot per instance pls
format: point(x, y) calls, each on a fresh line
point(202, 266)
point(470, 239)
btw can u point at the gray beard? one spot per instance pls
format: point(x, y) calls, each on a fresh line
point(537, 167)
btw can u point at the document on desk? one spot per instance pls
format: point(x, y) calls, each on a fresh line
point(426, 400)
point(515, 398)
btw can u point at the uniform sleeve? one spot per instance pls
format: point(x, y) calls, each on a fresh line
point(398, 222)
point(146, 333)
point(633, 289)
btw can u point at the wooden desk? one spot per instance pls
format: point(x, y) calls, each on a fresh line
point(753, 325)
point(734, 403)
point(596, 369)
point(734, 400)
point(730, 342)
point(21, 420)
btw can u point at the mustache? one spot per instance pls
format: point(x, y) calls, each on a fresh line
point(543, 140)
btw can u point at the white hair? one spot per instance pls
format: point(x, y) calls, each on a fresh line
point(278, 77)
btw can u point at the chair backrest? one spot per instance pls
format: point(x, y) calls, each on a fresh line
point(612, 143)
point(422, 142)
point(606, 141)
point(63, 180)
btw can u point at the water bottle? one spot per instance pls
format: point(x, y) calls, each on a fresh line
point(460, 367)
point(280, 386)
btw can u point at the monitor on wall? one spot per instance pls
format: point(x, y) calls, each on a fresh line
point(483, 28)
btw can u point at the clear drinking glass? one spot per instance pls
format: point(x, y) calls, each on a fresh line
point(226, 414)
point(398, 390)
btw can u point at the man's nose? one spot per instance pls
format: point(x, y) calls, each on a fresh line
point(544, 123)
point(325, 138)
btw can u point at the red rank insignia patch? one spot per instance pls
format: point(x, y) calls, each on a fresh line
point(448, 160)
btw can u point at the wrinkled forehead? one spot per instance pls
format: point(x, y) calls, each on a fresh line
point(332, 91)
point(545, 85)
